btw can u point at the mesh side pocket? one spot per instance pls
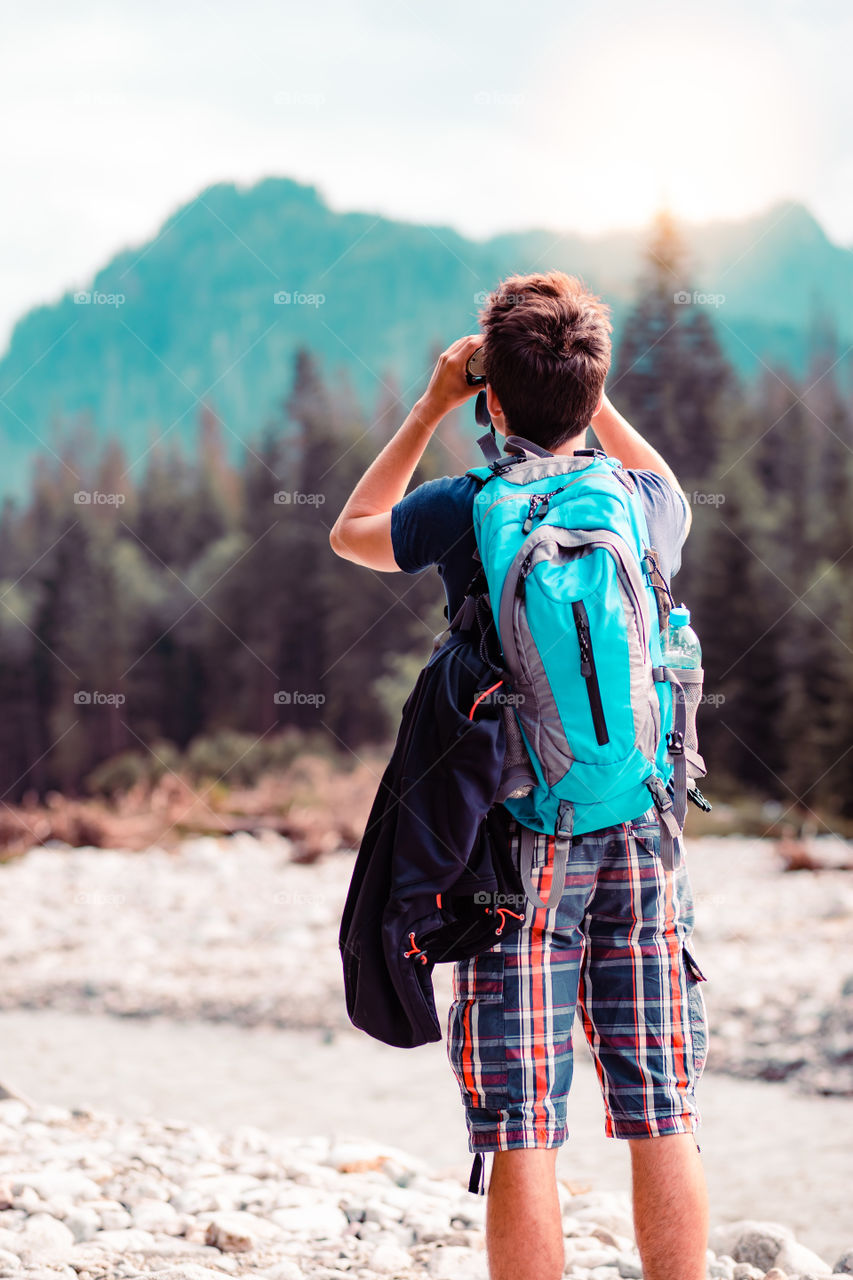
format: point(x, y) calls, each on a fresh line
point(518, 778)
point(691, 683)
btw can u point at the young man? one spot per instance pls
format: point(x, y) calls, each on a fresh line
point(614, 948)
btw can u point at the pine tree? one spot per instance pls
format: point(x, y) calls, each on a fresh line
point(671, 379)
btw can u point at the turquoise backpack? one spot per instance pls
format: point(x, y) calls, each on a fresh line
point(578, 600)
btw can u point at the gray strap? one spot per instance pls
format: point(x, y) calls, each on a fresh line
point(488, 444)
point(670, 828)
point(679, 760)
point(696, 763)
point(518, 444)
point(669, 833)
point(562, 846)
point(667, 846)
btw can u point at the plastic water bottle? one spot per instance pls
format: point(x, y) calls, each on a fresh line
point(679, 643)
point(681, 650)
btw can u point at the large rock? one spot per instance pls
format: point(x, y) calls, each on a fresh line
point(44, 1238)
point(797, 1260)
point(757, 1243)
point(56, 1182)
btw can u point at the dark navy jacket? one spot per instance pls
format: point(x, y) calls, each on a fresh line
point(434, 854)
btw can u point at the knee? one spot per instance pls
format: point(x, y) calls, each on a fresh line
point(524, 1166)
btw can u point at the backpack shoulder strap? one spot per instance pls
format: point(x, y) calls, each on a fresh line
point(489, 447)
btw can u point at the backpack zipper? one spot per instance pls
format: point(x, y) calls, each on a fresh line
point(589, 672)
point(523, 570)
point(534, 499)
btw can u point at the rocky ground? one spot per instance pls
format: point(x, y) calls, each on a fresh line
point(235, 929)
point(85, 1195)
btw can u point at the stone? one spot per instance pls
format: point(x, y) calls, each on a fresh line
point(629, 1268)
point(113, 1216)
point(9, 1261)
point(844, 1265)
point(186, 1271)
point(29, 1200)
point(388, 1258)
point(238, 1232)
point(46, 1237)
point(452, 1263)
point(288, 1270)
point(13, 1112)
point(796, 1259)
point(83, 1223)
point(130, 1240)
point(589, 1253)
point(317, 1222)
point(57, 1182)
point(746, 1271)
point(603, 1210)
point(757, 1243)
point(155, 1215)
point(775, 1274)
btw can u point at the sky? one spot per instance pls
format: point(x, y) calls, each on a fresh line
point(483, 116)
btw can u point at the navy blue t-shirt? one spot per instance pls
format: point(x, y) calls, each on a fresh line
point(434, 525)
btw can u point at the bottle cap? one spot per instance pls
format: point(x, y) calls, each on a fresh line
point(679, 616)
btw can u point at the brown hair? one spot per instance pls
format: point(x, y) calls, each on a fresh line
point(546, 352)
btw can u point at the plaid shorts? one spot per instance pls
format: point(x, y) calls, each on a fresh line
point(615, 949)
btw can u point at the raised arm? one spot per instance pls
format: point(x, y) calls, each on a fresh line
point(362, 532)
point(619, 439)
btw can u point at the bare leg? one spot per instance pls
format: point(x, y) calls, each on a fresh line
point(670, 1207)
point(524, 1227)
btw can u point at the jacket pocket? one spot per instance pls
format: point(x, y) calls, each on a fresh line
point(476, 1042)
point(697, 1012)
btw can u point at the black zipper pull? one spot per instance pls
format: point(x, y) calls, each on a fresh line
point(589, 672)
point(585, 648)
point(522, 574)
point(533, 504)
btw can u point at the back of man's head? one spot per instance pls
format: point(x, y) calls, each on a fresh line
point(547, 350)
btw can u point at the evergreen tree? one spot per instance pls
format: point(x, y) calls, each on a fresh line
point(670, 378)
